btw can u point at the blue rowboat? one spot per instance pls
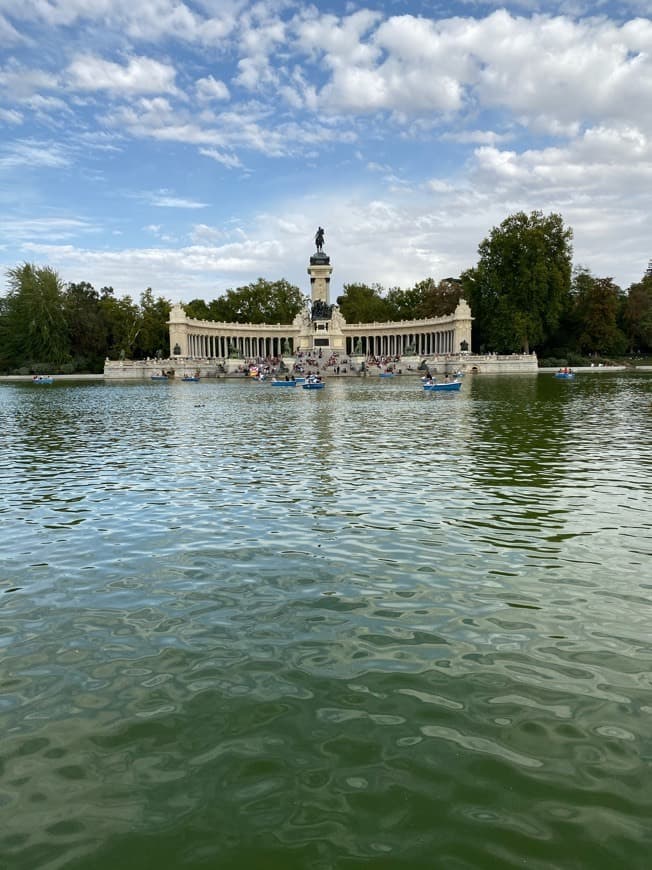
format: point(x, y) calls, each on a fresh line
point(159, 377)
point(565, 376)
point(444, 387)
point(190, 378)
point(386, 374)
point(42, 379)
point(284, 383)
point(313, 385)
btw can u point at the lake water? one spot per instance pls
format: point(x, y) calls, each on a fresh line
point(246, 627)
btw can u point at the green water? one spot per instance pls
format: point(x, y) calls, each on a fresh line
point(364, 627)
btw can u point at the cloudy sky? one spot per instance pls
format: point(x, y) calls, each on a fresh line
point(195, 145)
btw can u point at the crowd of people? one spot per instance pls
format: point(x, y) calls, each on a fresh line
point(316, 362)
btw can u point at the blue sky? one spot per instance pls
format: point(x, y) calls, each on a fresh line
point(195, 146)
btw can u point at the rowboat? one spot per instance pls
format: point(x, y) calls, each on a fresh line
point(565, 376)
point(313, 384)
point(159, 377)
point(284, 383)
point(42, 379)
point(190, 378)
point(386, 374)
point(444, 387)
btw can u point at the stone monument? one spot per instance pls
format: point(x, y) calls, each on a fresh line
point(320, 270)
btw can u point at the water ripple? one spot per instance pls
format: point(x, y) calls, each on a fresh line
point(369, 628)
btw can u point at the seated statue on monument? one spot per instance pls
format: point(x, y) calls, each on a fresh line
point(321, 310)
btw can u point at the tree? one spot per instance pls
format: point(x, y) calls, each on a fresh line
point(153, 336)
point(259, 302)
point(123, 322)
point(33, 324)
point(597, 302)
point(198, 309)
point(363, 304)
point(521, 285)
point(636, 313)
point(439, 299)
point(87, 329)
point(403, 304)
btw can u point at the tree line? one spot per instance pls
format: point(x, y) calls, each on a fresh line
point(523, 292)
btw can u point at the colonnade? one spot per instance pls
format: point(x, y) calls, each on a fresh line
point(427, 337)
point(398, 343)
point(217, 346)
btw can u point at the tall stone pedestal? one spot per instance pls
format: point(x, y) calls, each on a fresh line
point(320, 270)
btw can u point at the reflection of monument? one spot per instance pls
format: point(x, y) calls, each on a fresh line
point(320, 326)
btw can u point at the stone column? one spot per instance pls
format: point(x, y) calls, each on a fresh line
point(320, 271)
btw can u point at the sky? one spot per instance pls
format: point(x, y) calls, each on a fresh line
point(193, 146)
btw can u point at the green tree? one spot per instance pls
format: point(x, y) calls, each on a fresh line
point(123, 322)
point(636, 315)
point(520, 287)
point(86, 326)
point(363, 304)
point(439, 299)
point(259, 302)
point(198, 309)
point(154, 334)
point(33, 324)
point(597, 303)
point(403, 304)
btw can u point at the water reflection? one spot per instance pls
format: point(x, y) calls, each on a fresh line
point(256, 627)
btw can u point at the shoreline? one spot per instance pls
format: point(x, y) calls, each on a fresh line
point(102, 377)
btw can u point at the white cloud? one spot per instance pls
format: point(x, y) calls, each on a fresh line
point(553, 73)
point(599, 164)
point(164, 199)
point(48, 228)
point(146, 20)
point(34, 153)
point(46, 107)
point(255, 72)
point(177, 273)
point(19, 82)
point(8, 33)
point(484, 115)
point(202, 234)
point(231, 161)
point(157, 119)
point(141, 75)
point(10, 116)
point(209, 88)
point(476, 137)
